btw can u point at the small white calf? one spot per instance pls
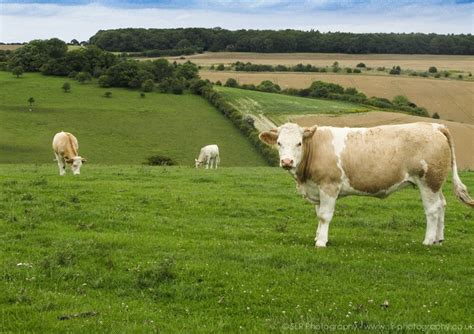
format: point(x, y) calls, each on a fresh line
point(65, 147)
point(209, 155)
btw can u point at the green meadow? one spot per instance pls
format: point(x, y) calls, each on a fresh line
point(278, 107)
point(126, 247)
point(122, 129)
point(174, 249)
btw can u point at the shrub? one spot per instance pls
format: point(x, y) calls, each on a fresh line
point(108, 94)
point(396, 70)
point(381, 69)
point(356, 70)
point(460, 76)
point(348, 70)
point(104, 81)
point(220, 67)
point(82, 77)
point(148, 85)
point(231, 82)
point(268, 86)
point(437, 75)
point(18, 71)
point(160, 160)
point(66, 87)
point(435, 115)
point(218, 83)
point(432, 69)
point(362, 65)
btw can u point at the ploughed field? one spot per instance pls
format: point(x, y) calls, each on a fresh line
point(178, 249)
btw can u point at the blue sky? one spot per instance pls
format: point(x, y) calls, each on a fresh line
point(24, 20)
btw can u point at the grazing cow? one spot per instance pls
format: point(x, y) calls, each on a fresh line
point(209, 155)
point(65, 147)
point(329, 162)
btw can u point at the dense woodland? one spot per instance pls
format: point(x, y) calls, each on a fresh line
point(217, 39)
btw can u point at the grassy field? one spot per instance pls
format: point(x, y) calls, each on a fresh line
point(148, 249)
point(123, 129)
point(452, 100)
point(279, 107)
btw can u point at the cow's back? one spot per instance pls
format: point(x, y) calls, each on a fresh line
point(66, 144)
point(374, 159)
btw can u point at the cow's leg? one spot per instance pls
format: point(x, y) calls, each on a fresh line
point(212, 162)
point(325, 211)
point(433, 206)
point(61, 164)
point(207, 163)
point(440, 225)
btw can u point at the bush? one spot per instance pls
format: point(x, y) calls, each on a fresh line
point(148, 85)
point(396, 70)
point(268, 86)
point(348, 70)
point(197, 85)
point(432, 69)
point(160, 160)
point(362, 65)
point(356, 70)
point(437, 75)
point(231, 82)
point(435, 115)
point(381, 69)
point(108, 94)
point(82, 77)
point(220, 67)
point(104, 81)
point(66, 87)
point(218, 83)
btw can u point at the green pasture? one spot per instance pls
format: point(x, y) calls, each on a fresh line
point(152, 249)
point(122, 129)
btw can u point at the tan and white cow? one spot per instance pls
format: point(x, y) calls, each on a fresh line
point(329, 162)
point(66, 147)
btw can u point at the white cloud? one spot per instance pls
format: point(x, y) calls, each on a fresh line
point(24, 22)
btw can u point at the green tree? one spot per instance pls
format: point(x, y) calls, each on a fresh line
point(66, 87)
point(231, 82)
point(82, 77)
point(18, 71)
point(148, 85)
point(108, 94)
point(31, 101)
point(432, 69)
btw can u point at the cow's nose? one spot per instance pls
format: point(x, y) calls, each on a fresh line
point(287, 163)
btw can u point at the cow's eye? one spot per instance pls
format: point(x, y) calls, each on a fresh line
point(279, 144)
point(299, 144)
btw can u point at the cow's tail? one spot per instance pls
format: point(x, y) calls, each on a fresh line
point(460, 189)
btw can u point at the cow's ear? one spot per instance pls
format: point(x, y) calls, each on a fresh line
point(309, 132)
point(69, 161)
point(269, 137)
point(84, 160)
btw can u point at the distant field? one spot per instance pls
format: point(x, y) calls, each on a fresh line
point(452, 100)
point(414, 62)
point(9, 46)
point(142, 249)
point(123, 129)
point(279, 107)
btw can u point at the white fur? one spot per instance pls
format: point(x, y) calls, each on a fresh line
point(209, 155)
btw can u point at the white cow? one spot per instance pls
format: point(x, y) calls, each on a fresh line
point(328, 163)
point(65, 147)
point(209, 155)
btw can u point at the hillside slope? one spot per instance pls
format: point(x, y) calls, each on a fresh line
point(123, 129)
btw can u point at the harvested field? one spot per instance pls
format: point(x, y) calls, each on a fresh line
point(414, 62)
point(4, 47)
point(452, 100)
point(463, 133)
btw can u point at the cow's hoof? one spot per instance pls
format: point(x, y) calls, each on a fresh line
point(320, 244)
point(438, 242)
point(428, 242)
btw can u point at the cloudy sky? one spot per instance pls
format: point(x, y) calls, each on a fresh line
point(24, 20)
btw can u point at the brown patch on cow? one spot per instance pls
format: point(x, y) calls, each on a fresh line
point(319, 162)
point(66, 145)
point(381, 157)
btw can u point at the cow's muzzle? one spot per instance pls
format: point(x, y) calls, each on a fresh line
point(286, 163)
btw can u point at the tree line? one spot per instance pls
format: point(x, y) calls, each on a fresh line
point(52, 57)
point(217, 39)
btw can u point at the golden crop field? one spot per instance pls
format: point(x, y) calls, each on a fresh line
point(11, 47)
point(451, 99)
point(414, 62)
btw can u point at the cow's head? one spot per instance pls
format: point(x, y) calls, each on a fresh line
point(197, 163)
point(290, 138)
point(76, 164)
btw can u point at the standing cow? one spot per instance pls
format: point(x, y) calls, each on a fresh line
point(209, 155)
point(329, 162)
point(65, 147)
